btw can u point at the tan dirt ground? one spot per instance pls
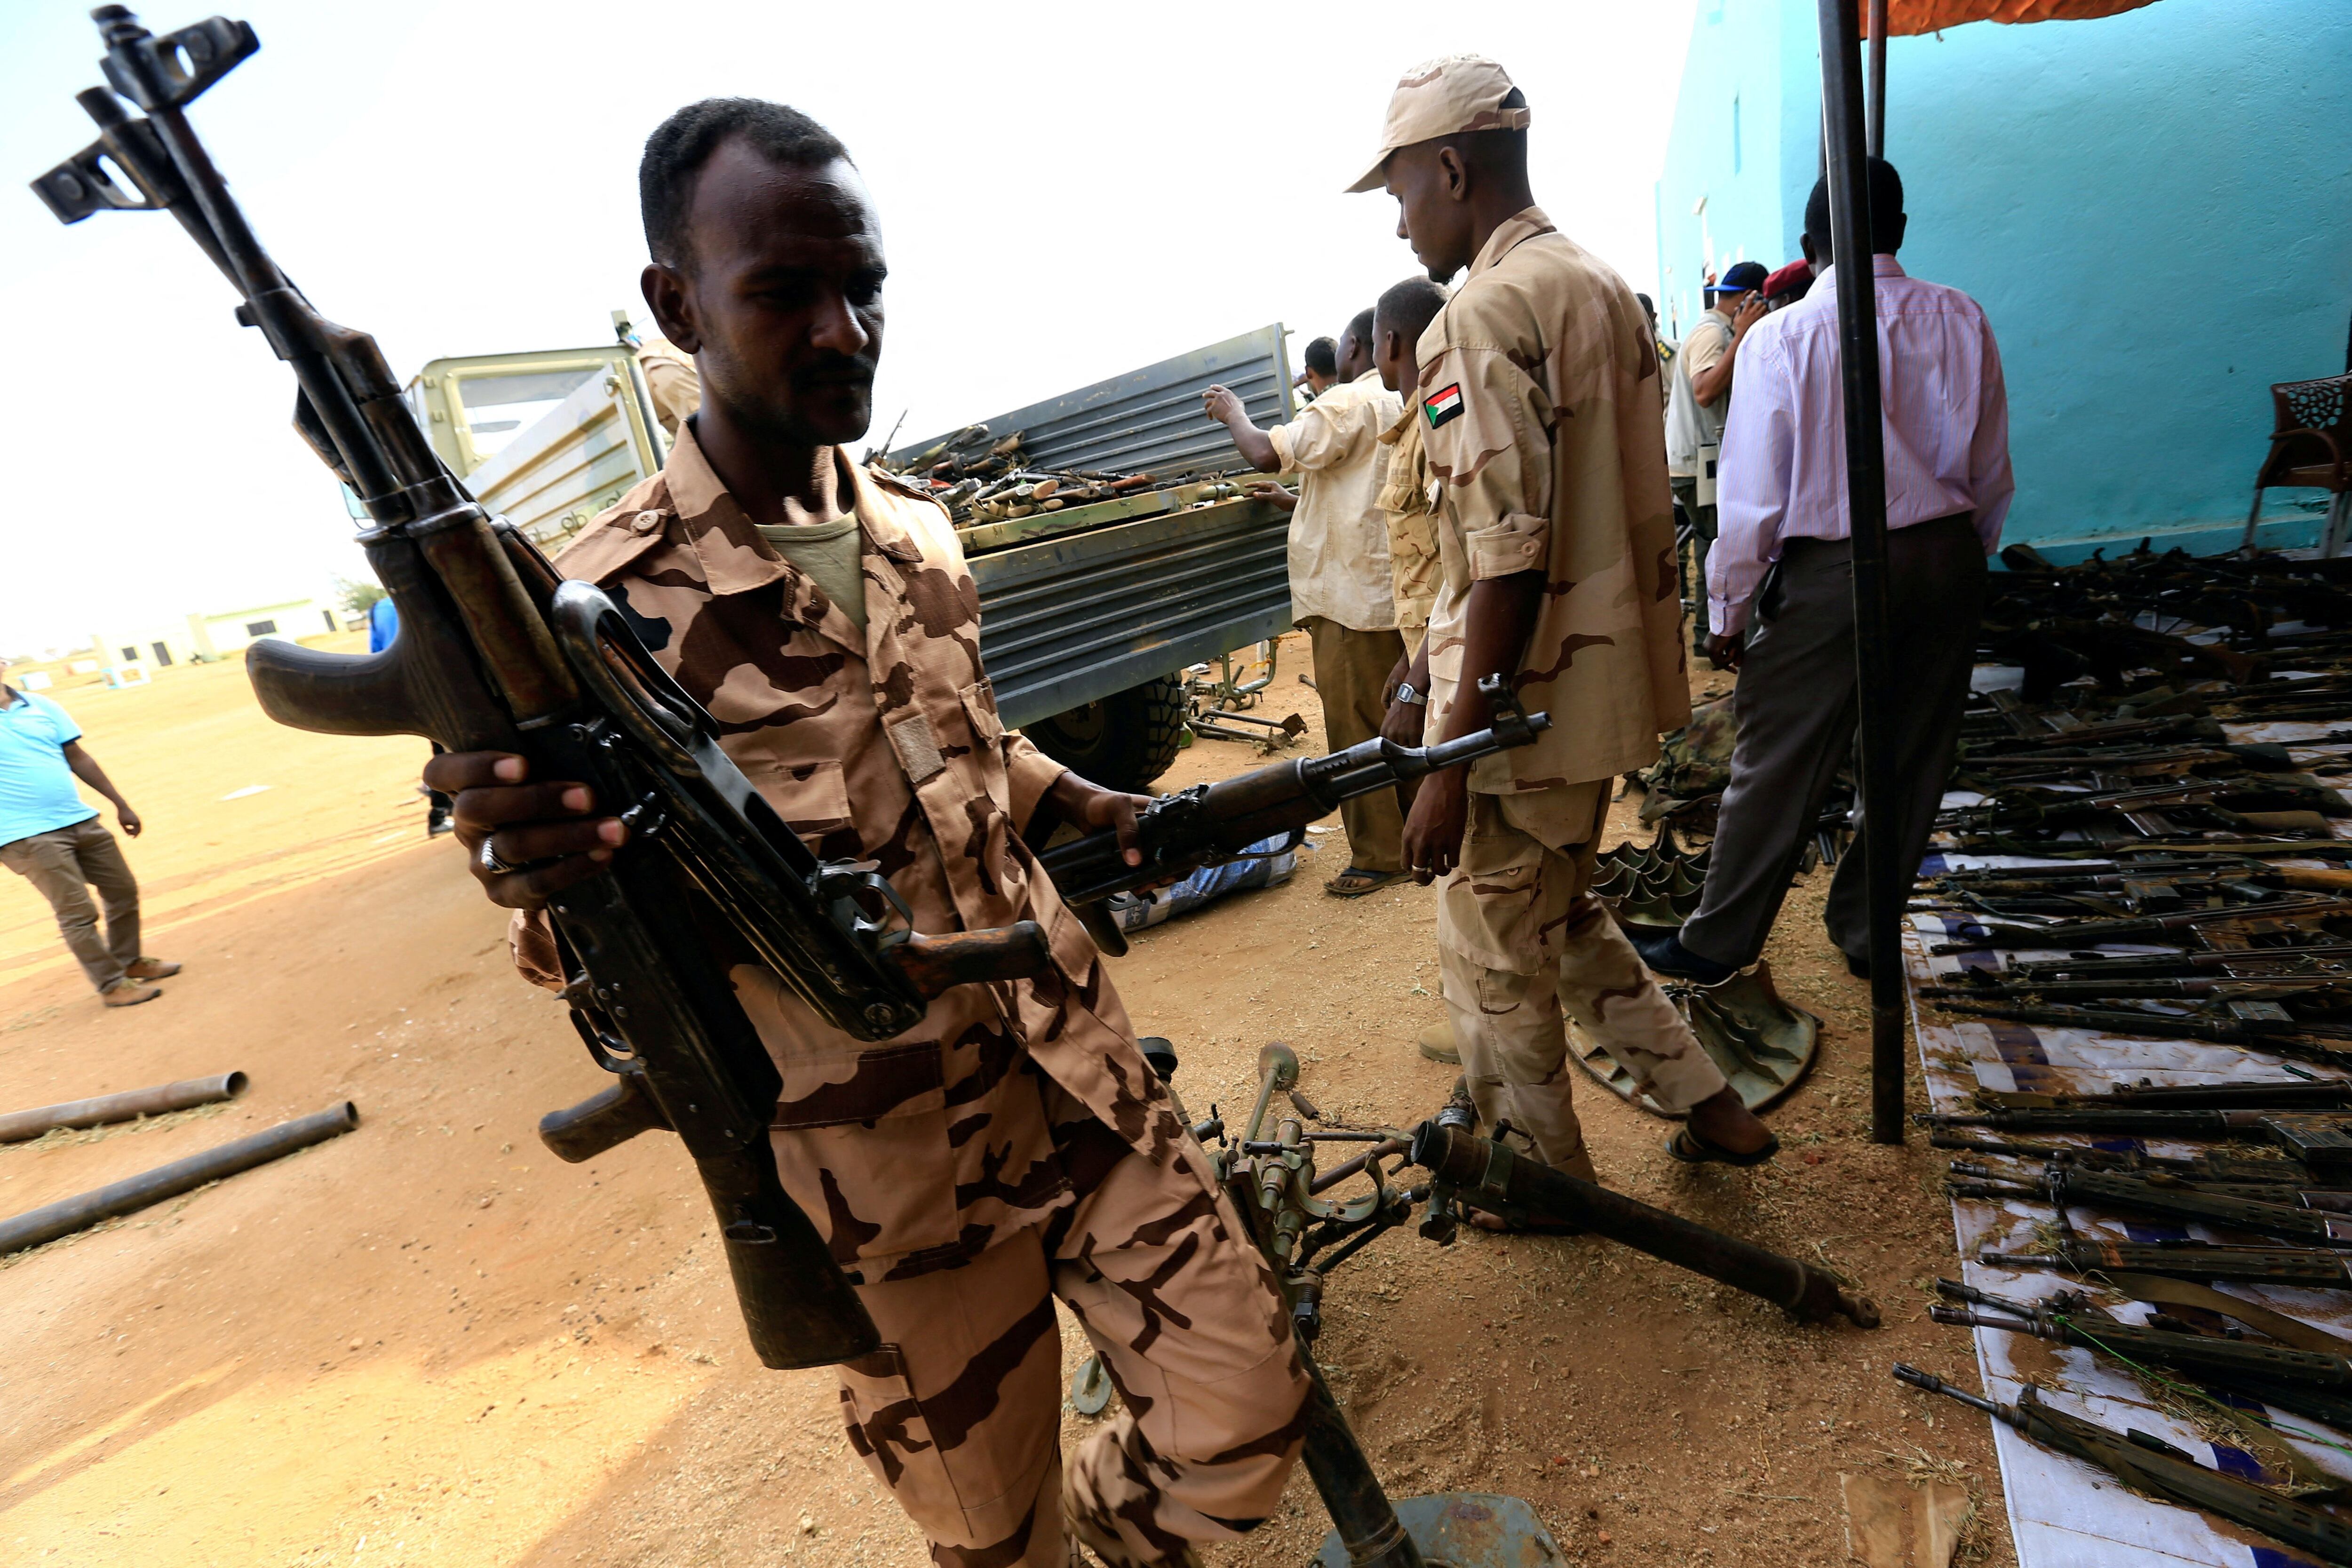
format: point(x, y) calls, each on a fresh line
point(429, 1342)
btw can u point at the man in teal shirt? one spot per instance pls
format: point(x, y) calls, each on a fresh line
point(53, 838)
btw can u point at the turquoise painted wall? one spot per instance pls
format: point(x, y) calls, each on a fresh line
point(2155, 210)
point(1729, 145)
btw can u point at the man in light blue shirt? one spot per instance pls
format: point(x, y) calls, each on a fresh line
point(53, 838)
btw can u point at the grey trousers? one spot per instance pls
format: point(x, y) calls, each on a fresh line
point(1703, 529)
point(1795, 704)
point(60, 863)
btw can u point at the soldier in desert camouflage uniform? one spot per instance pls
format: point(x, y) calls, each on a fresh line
point(1013, 1147)
point(1555, 530)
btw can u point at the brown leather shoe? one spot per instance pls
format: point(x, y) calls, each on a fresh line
point(1438, 1044)
point(154, 969)
point(128, 992)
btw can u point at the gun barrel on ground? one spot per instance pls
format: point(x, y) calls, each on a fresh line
point(49, 1222)
point(15, 1126)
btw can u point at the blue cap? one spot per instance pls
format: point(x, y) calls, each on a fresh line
point(1738, 277)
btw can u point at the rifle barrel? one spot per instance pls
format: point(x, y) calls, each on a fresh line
point(1929, 1381)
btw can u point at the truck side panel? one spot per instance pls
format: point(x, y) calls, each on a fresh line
point(1150, 420)
point(1067, 620)
point(571, 464)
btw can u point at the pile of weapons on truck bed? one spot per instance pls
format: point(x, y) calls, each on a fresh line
point(2142, 847)
point(983, 478)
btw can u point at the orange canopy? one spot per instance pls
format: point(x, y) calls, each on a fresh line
point(1930, 16)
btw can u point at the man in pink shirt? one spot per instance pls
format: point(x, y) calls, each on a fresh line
point(1779, 579)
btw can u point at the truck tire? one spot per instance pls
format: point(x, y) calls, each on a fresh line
point(1122, 741)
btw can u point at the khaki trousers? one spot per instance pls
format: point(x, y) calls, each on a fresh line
point(959, 1413)
point(1351, 668)
point(65, 864)
point(1523, 946)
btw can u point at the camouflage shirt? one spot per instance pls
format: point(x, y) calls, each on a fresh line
point(1553, 460)
point(1413, 566)
point(917, 1152)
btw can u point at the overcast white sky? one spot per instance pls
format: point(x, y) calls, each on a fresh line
point(1067, 191)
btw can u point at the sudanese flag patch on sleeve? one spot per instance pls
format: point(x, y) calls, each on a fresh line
point(1442, 404)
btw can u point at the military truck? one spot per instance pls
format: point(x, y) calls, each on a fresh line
point(1089, 614)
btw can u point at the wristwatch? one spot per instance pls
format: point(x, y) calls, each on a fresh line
point(1405, 693)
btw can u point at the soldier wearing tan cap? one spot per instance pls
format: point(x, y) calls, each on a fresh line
point(1556, 532)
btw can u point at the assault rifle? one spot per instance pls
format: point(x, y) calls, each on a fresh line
point(2025, 807)
point(2254, 1094)
point(2258, 1026)
point(2202, 1261)
point(2200, 1168)
point(496, 652)
point(2104, 846)
point(2111, 877)
point(2238, 987)
point(1213, 823)
point(2167, 1199)
point(2148, 1464)
point(2309, 1382)
point(2288, 916)
point(2271, 1194)
point(2250, 964)
point(2323, 1142)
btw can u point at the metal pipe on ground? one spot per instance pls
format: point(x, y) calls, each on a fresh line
point(1865, 488)
point(1482, 1169)
point(15, 1126)
point(47, 1224)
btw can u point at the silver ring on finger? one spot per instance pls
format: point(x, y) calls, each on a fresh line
point(489, 857)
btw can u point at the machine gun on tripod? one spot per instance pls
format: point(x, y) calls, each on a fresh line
point(1269, 1171)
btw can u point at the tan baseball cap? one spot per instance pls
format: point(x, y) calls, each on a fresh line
point(1444, 96)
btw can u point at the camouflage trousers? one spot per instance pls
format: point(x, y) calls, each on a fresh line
point(959, 1413)
point(1520, 944)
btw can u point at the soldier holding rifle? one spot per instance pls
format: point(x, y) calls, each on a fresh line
point(1014, 1146)
point(1554, 529)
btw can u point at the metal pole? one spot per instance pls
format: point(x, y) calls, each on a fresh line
point(1865, 487)
point(1878, 78)
point(64, 1217)
point(18, 1125)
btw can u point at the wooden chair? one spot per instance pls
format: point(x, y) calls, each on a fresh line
point(2309, 449)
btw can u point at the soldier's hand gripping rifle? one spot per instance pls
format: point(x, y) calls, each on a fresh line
point(1213, 823)
point(497, 653)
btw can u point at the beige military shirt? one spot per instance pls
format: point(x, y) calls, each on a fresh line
point(1702, 349)
point(880, 742)
point(1415, 570)
point(1552, 457)
point(1338, 535)
point(676, 385)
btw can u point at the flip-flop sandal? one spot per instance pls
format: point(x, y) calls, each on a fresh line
point(1355, 882)
point(1692, 1150)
